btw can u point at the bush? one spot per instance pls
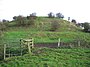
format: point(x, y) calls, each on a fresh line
point(20, 20)
point(2, 26)
point(86, 27)
point(31, 19)
point(54, 25)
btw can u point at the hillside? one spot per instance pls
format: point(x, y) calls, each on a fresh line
point(59, 24)
point(47, 31)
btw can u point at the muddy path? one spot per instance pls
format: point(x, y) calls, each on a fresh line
point(51, 45)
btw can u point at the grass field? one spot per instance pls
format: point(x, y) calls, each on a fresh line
point(46, 57)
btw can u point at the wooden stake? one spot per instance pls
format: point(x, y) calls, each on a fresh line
point(21, 46)
point(59, 42)
point(79, 43)
point(4, 51)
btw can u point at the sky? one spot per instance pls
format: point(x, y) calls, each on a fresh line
point(75, 9)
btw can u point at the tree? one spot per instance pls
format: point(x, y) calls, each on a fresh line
point(74, 21)
point(33, 14)
point(59, 15)
point(86, 27)
point(51, 15)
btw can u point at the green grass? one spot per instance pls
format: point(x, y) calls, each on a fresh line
point(41, 33)
point(44, 36)
point(46, 57)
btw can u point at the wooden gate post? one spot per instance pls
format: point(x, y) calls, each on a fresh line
point(28, 43)
point(29, 48)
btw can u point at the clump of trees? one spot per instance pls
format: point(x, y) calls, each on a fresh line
point(24, 21)
point(58, 15)
point(86, 26)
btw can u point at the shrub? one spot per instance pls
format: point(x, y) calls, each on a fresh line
point(2, 26)
point(54, 25)
point(20, 20)
point(86, 27)
point(31, 19)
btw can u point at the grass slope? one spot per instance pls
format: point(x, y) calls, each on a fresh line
point(51, 58)
point(40, 31)
point(46, 57)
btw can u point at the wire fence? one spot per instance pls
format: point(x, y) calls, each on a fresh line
point(15, 48)
point(12, 49)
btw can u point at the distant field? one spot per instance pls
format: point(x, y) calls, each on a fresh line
point(47, 57)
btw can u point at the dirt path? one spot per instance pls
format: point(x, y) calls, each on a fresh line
point(52, 45)
point(49, 45)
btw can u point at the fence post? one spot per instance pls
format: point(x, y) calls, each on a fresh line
point(59, 42)
point(21, 45)
point(32, 43)
point(4, 51)
point(79, 43)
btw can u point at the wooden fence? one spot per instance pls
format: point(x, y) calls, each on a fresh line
point(24, 46)
point(18, 48)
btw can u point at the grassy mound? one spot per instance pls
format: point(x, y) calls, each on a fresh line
point(46, 30)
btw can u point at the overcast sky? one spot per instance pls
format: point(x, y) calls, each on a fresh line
point(76, 9)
